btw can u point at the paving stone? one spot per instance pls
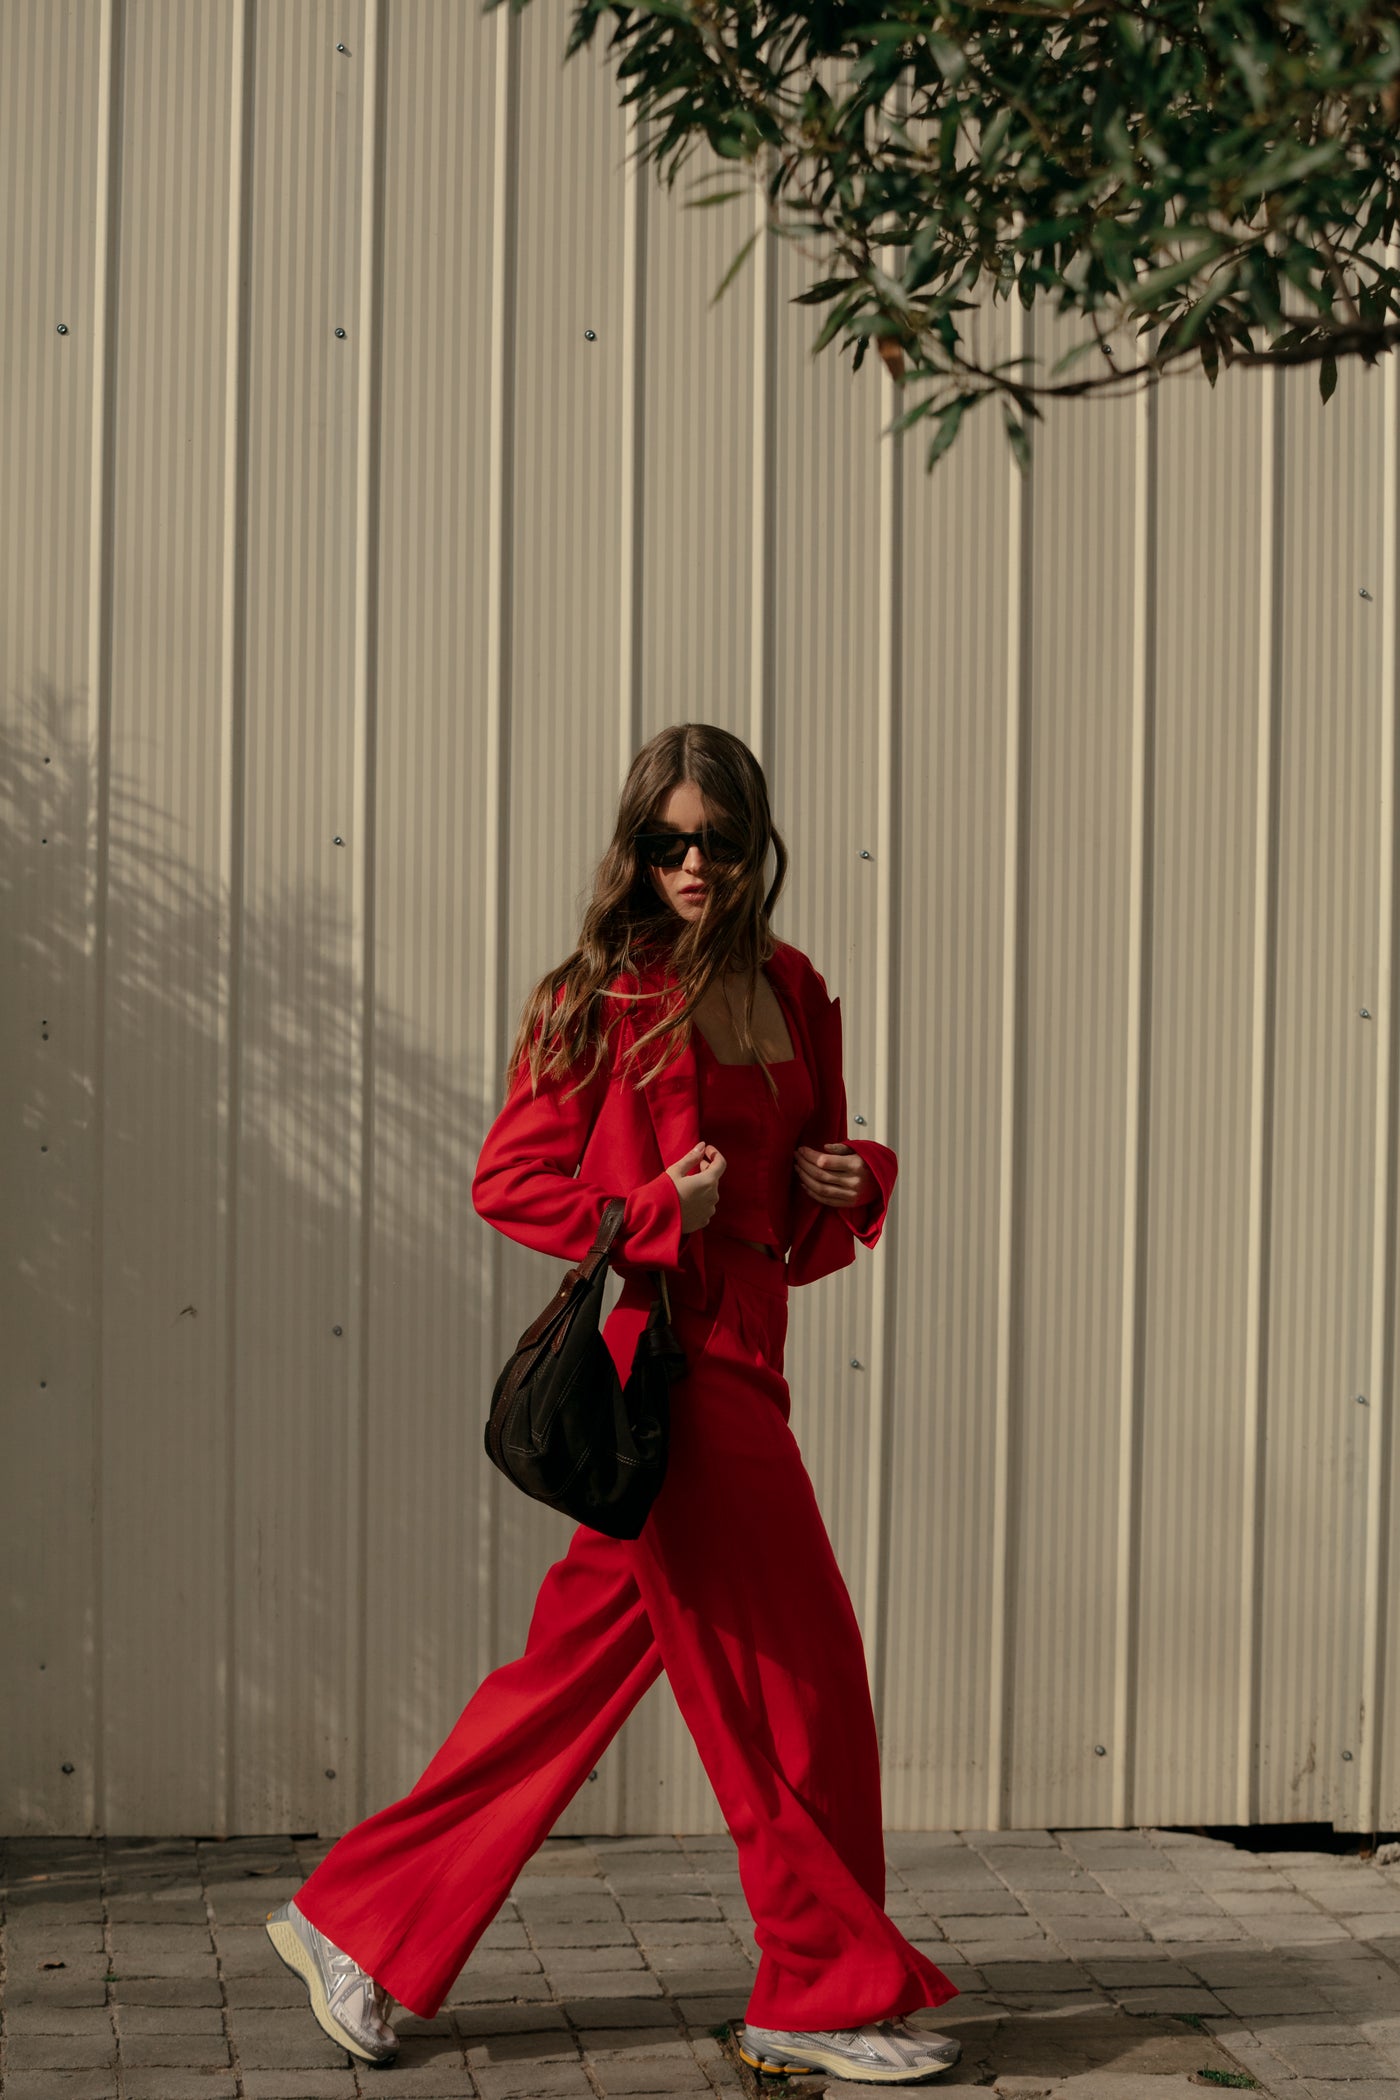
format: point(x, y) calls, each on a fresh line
point(194, 2051)
point(1073, 1902)
point(1264, 1903)
point(473, 1988)
point(1034, 1976)
point(55, 1989)
point(58, 2019)
point(534, 2082)
point(1197, 1928)
point(711, 2010)
point(599, 1932)
point(170, 2019)
point(275, 1986)
point(602, 2009)
point(1280, 1928)
point(1169, 1998)
point(299, 2085)
point(61, 2052)
point(1262, 1998)
point(474, 2021)
point(271, 2038)
point(171, 1992)
point(1119, 1976)
point(163, 2084)
point(62, 2085)
point(1329, 2059)
point(700, 1933)
point(1000, 1926)
point(677, 1909)
point(162, 1950)
point(551, 2046)
point(562, 1962)
point(1102, 1926)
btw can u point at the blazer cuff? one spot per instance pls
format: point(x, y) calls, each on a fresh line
point(867, 1220)
point(650, 1237)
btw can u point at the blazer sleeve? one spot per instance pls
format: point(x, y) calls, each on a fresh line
point(822, 1233)
point(526, 1182)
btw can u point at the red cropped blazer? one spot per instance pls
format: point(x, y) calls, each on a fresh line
point(549, 1163)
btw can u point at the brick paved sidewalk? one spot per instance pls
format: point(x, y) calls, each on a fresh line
point(1094, 1965)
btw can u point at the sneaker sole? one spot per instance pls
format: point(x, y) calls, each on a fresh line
point(290, 1950)
point(841, 2067)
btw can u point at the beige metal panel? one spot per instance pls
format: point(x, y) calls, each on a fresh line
point(427, 1590)
point(1200, 1192)
point(54, 547)
point(1379, 1788)
point(829, 720)
point(565, 729)
point(956, 820)
point(1073, 1116)
point(299, 1424)
point(701, 369)
point(163, 1221)
point(1322, 1163)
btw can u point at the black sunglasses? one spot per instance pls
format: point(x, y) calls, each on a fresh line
point(668, 849)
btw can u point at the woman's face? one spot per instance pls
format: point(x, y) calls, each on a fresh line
point(683, 888)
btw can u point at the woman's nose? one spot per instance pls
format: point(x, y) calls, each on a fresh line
point(694, 863)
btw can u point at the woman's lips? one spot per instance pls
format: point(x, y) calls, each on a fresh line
point(697, 892)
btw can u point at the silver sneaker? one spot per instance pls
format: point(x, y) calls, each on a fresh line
point(348, 2003)
point(890, 2052)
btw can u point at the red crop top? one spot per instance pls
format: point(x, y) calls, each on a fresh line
point(757, 1136)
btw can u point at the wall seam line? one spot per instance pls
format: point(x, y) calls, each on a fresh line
point(500, 602)
point(233, 789)
point(101, 553)
point(1137, 1136)
point(1261, 1105)
point(1383, 1233)
point(1010, 1225)
point(368, 438)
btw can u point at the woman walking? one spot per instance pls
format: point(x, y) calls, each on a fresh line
point(687, 1060)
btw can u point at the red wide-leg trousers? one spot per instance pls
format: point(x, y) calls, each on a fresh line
point(733, 1590)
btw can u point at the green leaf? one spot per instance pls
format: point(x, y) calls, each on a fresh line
point(732, 272)
point(1020, 442)
point(719, 197)
point(949, 419)
point(1327, 377)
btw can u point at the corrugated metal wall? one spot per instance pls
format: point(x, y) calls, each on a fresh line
point(377, 476)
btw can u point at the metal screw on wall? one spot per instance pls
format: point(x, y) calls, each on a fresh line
point(65, 1768)
point(337, 1330)
point(340, 332)
point(1362, 1401)
point(1365, 1013)
point(857, 1119)
point(344, 48)
point(1099, 1750)
point(863, 854)
point(1346, 1757)
point(1364, 593)
point(330, 1771)
point(589, 336)
point(337, 840)
point(856, 1364)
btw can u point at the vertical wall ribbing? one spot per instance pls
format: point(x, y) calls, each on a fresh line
point(888, 696)
point(761, 698)
point(1385, 1197)
point(232, 782)
point(1261, 1103)
point(632, 525)
point(495, 903)
point(1137, 1058)
point(1014, 823)
point(369, 424)
point(106, 220)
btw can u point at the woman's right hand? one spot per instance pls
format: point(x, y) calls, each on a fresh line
point(697, 1178)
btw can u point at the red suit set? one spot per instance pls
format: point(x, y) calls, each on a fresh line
point(732, 1587)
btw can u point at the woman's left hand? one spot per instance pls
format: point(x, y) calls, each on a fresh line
point(835, 1175)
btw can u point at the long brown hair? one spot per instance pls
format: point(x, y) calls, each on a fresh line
point(628, 927)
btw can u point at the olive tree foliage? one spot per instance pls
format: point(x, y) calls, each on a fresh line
point(1212, 182)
